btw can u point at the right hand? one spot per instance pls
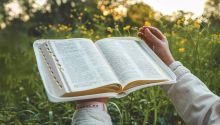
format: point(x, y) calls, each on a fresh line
point(157, 42)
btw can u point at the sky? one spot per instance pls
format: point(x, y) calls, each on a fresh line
point(169, 6)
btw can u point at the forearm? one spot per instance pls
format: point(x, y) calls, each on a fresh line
point(191, 98)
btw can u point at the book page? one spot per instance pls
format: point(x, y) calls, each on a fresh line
point(82, 64)
point(129, 61)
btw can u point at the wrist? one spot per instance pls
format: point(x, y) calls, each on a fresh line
point(165, 55)
point(167, 58)
point(169, 61)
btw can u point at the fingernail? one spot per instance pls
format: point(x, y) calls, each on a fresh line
point(140, 28)
point(146, 30)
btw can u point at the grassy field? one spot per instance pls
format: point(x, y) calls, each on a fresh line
point(23, 98)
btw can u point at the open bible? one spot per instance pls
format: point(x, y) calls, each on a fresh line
point(78, 68)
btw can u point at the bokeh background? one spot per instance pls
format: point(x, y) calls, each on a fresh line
point(194, 40)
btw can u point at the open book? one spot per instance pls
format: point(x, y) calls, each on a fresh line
point(76, 69)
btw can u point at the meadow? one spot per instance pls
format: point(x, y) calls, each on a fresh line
point(194, 42)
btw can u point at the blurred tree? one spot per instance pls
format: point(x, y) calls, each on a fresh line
point(51, 12)
point(212, 11)
point(2, 14)
point(116, 8)
point(140, 12)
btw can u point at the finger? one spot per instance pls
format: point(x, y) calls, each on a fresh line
point(141, 35)
point(144, 37)
point(142, 29)
point(157, 33)
point(150, 36)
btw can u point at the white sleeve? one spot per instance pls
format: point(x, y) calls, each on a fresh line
point(196, 104)
point(91, 116)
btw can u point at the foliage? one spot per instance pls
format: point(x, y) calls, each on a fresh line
point(23, 99)
point(212, 9)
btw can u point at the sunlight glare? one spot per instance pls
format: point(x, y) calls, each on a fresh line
point(41, 2)
point(169, 6)
point(13, 8)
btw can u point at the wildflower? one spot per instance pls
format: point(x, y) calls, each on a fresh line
point(196, 24)
point(105, 13)
point(68, 36)
point(117, 16)
point(63, 28)
point(183, 41)
point(102, 17)
point(96, 16)
point(82, 27)
point(146, 23)
point(116, 27)
point(214, 36)
point(183, 19)
point(2, 25)
point(94, 19)
point(179, 122)
point(134, 28)
point(179, 22)
point(109, 35)
point(166, 34)
point(109, 29)
point(97, 37)
point(21, 88)
point(181, 50)
point(83, 32)
point(50, 26)
point(126, 27)
point(91, 31)
point(173, 33)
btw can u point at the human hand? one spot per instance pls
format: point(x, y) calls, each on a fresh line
point(157, 42)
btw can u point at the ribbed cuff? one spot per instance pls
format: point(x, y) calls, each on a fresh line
point(178, 69)
point(95, 105)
